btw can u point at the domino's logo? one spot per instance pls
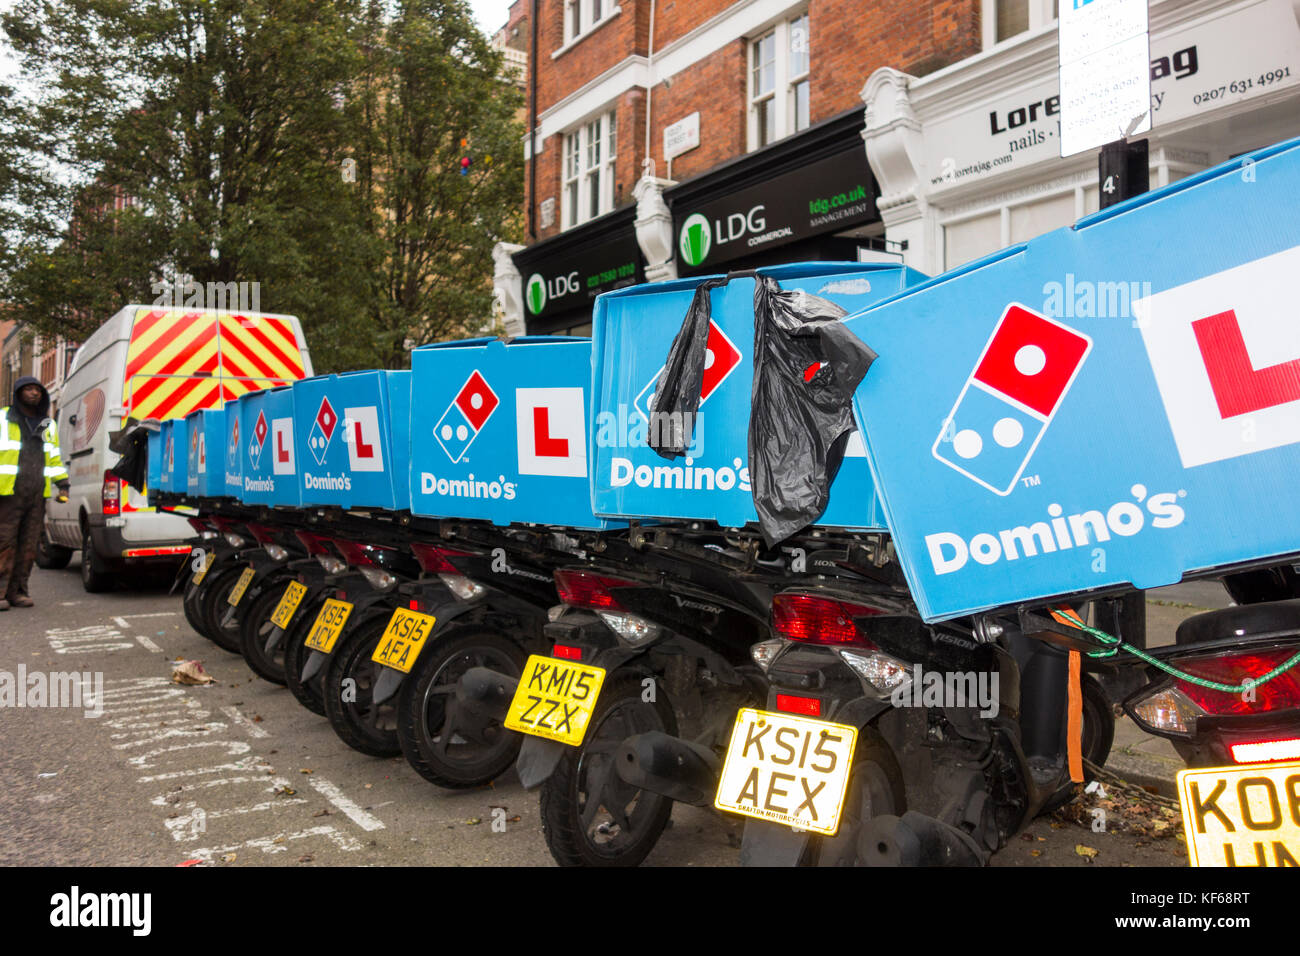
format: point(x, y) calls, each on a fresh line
point(1011, 396)
point(465, 417)
point(258, 438)
point(721, 358)
point(232, 449)
point(1225, 352)
point(322, 430)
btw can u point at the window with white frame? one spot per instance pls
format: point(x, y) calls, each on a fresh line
point(582, 16)
point(779, 85)
point(589, 153)
point(1004, 19)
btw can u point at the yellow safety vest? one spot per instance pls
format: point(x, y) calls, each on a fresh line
point(11, 443)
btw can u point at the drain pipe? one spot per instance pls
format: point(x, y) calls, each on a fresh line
point(532, 132)
point(647, 164)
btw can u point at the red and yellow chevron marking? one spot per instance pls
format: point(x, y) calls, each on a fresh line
point(179, 361)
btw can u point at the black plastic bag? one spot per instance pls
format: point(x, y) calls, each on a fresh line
point(807, 366)
point(132, 443)
point(677, 393)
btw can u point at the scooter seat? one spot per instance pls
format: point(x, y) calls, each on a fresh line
point(1247, 623)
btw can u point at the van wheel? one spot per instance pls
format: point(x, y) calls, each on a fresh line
point(50, 556)
point(94, 576)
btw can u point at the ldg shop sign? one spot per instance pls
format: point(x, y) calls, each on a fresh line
point(826, 196)
point(572, 279)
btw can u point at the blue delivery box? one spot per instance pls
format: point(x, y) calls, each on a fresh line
point(153, 477)
point(269, 459)
point(234, 449)
point(1117, 402)
point(632, 331)
point(175, 448)
point(205, 460)
point(352, 439)
point(499, 431)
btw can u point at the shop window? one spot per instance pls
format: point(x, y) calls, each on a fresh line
point(583, 16)
point(1004, 19)
point(589, 153)
point(971, 238)
point(779, 84)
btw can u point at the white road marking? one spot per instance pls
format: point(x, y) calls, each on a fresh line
point(253, 730)
point(335, 796)
point(135, 617)
point(77, 640)
point(147, 644)
point(121, 622)
point(269, 844)
point(245, 764)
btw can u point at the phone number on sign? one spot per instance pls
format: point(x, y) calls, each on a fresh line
point(1241, 86)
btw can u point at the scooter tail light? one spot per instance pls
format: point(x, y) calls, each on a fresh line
point(886, 674)
point(794, 704)
point(1167, 710)
point(379, 579)
point(262, 533)
point(567, 652)
point(462, 587)
point(1266, 751)
point(588, 590)
point(1235, 667)
point(314, 543)
point(434, 560)
point(812, 619)
point(631, 628)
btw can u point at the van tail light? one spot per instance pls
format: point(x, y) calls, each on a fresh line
point(812, 619)
point(1173, 706)
point(435, 560)
point(111, 494)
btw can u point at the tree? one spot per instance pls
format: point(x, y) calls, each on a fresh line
point(206, 138)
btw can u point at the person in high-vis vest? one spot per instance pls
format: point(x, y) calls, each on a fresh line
point(29, 468)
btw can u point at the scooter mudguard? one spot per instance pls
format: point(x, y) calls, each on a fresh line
point(315, 664)
point(771, 844)
point(388, 683)
point(229, 618)
point(538, 758)
point(273, 640)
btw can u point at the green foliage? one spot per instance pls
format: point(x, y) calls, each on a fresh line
point(227, 123)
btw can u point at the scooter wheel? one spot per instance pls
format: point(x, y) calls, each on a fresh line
point(445, 746)
point(192, 605)
point(215, 607)
point(307, 693)
point(875, 789)
point(1098, 735)
point(360, 723)
point(254, 630)
point(590, 817)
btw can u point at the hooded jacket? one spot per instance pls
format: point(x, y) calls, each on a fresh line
point(29, 446)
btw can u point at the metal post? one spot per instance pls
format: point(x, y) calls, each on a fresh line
point(1123, 171)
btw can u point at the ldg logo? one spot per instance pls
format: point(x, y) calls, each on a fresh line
point(1003, 411)
point(465, 416)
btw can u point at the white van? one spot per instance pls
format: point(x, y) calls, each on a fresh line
point(150, 362)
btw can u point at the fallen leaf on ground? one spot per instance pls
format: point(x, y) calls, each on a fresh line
point(228, 858)
point(1085, 851)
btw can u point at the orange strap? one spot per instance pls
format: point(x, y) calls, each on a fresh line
point(1074, 721)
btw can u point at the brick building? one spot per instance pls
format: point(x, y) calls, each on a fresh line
point(677, 137)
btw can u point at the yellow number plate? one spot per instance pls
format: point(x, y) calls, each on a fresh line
point(202, 572)
point(555, 699)
point(403, 639)
point(787, 769)
point(1242, 816)
point(327, 627)
point(237, 592)
point(283, 612)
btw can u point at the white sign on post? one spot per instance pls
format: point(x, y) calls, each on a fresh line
point(682, 136)
point(1105, 72)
